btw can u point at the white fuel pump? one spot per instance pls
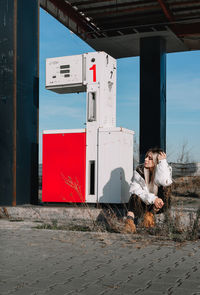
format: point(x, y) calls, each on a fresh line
point(93, 164)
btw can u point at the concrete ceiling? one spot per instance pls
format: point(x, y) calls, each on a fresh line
point(116, 26)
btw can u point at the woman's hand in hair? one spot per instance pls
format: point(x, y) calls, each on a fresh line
point(161, 156)
point(158, 203)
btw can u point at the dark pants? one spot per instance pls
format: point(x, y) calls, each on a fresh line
point(138, 207)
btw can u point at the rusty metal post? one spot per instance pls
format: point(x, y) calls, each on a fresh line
point(152, 94)
point(19, 101)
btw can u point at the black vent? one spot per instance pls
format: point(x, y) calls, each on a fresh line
point(65, 67)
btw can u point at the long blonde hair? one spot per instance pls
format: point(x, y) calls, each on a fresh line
point(152, 187)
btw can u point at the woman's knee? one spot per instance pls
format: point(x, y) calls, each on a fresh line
point(136, 205)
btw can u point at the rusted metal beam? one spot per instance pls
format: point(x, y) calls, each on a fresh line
point(120, 5)
point(145, 24)
point(166, 10)
point(122, 11)
point(106, 17)
point(134, 29)
point(62, 6)
point(188, 10)
point(187, 7)
point(101, 17)
point(189, 3)
point(78, 3)
point(68, 10)
point(188, 29)
point(131, 3)
point(89, 2)
point(144, 19)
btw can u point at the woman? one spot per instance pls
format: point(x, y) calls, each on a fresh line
point(150, 189)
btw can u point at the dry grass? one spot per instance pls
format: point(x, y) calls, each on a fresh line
point(110, 221)
point(188, 186)
point(185, 191)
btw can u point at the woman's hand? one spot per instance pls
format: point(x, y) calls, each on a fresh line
point(161, 156)
point(158, 203)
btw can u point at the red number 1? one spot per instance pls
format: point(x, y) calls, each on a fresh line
point(93, 68)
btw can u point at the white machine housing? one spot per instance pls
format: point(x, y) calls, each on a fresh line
point(108, 148)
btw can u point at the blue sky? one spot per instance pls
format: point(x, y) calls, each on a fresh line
point(68, 111)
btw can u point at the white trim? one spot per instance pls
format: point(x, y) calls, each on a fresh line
point(64, 131)
point(116, 129)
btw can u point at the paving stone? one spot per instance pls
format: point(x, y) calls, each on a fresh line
point(38, 292)
point(44, 262)
point(19, 290)
point(184, 291)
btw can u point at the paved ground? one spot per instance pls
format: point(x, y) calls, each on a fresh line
point(37, 262)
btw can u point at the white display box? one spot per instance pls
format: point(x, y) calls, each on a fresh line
point(65, 74)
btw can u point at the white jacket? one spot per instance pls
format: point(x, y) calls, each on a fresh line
point(163, 177)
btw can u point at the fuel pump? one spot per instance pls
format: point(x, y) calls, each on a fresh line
point(95, 164)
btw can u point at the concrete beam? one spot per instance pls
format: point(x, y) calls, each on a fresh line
point(19, 94)
point(152, 94)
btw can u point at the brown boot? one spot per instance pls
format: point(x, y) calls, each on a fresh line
point(129, 226)
point(149, 220)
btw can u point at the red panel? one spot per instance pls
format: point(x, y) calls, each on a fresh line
point(64, 158)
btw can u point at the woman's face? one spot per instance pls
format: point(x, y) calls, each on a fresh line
point(148, 162)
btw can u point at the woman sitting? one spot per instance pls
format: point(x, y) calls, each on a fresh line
point(150, 189)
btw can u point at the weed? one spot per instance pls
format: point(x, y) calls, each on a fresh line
point(110, 220)
point(193, 234)
point(185, 190)
point(16, 220)
point(72, 227)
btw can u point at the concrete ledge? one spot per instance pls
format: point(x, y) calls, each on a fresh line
point(185, 216)
point(38, 213)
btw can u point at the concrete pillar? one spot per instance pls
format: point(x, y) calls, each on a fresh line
point(152, 94)
point(19, 101)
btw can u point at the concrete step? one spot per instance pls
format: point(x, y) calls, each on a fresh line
point(87, 214)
